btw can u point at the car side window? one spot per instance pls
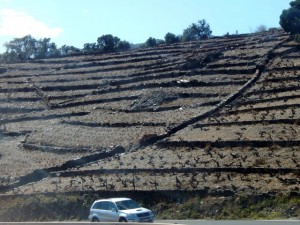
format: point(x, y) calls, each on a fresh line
point(104, 205)
point(111, 206)
point(101, 205)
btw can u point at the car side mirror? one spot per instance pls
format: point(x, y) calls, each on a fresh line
point(114, 210)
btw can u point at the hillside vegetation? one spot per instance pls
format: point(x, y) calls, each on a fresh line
point(217, 117)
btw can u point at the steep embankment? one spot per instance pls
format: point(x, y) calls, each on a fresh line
point(217, 117)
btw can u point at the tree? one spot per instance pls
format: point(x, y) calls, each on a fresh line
point(67, 50)
point(45, 49)
point(151, 42)
point(107, 43)
point(53, 50)
point(7, 57)
point(27, 47)
point(197, 31)
point(171, 38)
point(90, 47)
point(295, 4)
point(122, 46)
point(290, 18)
point(24, 47)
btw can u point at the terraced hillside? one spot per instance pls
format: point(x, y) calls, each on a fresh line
point(219, 116)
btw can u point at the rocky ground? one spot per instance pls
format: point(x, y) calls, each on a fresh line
point(219, 115)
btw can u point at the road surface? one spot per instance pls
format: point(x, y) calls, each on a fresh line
point(184, 222)
point(231, 222)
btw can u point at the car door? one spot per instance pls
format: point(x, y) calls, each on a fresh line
point(103, 212)
point(96, 210)
point(112, 212)
point(99, 209)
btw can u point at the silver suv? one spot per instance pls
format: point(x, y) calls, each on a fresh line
point(119, 210)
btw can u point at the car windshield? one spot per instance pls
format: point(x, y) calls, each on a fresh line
point(127, 204)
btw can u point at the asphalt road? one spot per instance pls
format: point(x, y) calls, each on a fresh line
point(183, 222)
point(231, 222)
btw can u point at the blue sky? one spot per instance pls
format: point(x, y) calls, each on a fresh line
point(75, 22)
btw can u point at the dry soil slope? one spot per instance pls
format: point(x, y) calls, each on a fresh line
point(220, 115)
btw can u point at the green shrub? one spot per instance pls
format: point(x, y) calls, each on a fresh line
point(290, 19)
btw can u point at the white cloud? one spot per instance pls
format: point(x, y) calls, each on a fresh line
point(18, 24)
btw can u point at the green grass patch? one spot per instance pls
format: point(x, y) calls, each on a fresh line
point(236, 207)
point(64, 207)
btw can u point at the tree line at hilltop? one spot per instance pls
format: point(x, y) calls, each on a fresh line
point(21, 49)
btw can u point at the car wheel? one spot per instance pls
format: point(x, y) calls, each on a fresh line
point(95, 219)
point(122, 220)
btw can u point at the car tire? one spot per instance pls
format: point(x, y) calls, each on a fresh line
point(95, 219)
point(122, 220)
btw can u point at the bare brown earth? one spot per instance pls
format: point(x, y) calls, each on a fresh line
point(220, 115)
